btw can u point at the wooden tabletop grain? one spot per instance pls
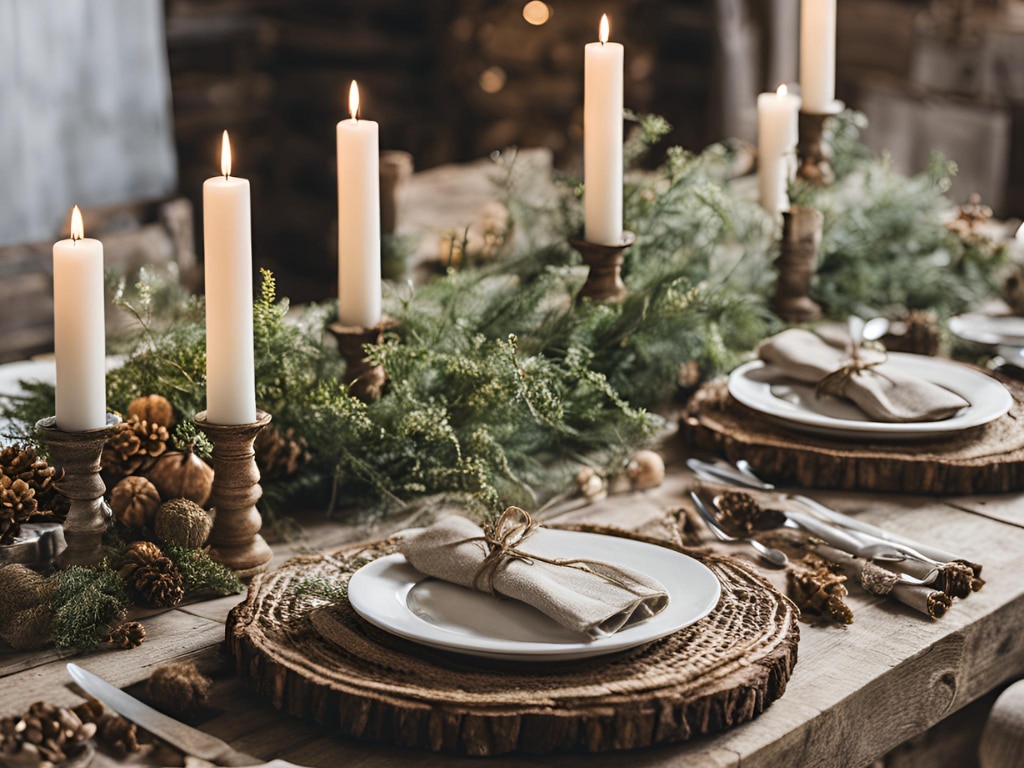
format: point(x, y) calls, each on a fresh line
point(856, 692)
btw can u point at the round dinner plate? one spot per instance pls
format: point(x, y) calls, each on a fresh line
point(394, 596)
point(794, 403)
point(990, 330)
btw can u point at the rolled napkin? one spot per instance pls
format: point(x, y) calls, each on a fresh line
point(587, 596)
point(881, 392)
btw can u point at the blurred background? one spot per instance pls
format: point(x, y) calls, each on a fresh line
point(118, 105)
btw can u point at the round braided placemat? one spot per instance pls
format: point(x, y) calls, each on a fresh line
point(720, 672)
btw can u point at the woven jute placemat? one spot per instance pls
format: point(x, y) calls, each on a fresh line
point(716, 674)
point(985, 459)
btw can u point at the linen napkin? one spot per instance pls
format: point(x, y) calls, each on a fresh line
point(881, 392)
point(590, 597)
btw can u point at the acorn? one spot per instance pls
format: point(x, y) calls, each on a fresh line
point(134, 501)
point(182, 522)
point(182, 475)
point(156, 409)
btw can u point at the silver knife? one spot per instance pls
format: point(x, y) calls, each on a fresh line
point(191, 741)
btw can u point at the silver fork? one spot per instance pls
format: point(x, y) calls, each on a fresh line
point(773, 556)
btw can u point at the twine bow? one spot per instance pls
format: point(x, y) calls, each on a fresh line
point(835, 383)
point(513, 528)
point(503, 539)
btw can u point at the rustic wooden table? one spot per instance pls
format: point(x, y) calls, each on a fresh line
point(856, 693)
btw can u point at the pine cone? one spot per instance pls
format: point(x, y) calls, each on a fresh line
point(119, 734)
point(17, 504)
point(279, 456)
point(151, 575)
point(23, 463)
point(121, 452)
point(44, 734)
point(178, 688)
point(153, 438)
point(127, 635)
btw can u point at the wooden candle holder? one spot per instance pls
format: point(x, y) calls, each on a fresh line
point(604, 281)
point(801, 240)
point(366, 381)
point(78, 454)
point(813, 154)
point(235, 540)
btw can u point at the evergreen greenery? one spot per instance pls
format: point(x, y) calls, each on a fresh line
point(200, 572)
point(85, 603)
point(502, 384)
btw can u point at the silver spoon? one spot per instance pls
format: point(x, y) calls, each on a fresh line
point(773, 556)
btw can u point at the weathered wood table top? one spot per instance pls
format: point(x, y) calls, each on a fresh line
point(856, 692)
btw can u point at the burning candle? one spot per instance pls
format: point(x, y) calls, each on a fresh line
point(227, 235)
point(776, 143)
point(602, 139)
point(818, 55)
point(359, 294)
point(79, 331)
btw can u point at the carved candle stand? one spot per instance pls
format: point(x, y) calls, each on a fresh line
point(604, 281)
point(235, 540)
point(814, 155)
point(367, 381)
point(78, 454)
point(801, 240)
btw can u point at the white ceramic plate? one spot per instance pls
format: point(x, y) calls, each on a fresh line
point(989, 329)
point(794, 402)
point(394, 596)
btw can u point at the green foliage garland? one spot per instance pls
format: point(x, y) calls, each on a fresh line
point(86, 602)
point(501, 384)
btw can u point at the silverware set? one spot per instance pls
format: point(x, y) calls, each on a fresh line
point(839, 531)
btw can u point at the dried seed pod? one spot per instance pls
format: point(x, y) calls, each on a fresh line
point(134, 501)
point(183, 522)
point(178, 688)
point(646, 469)
point(182, 475)
point(590, 485)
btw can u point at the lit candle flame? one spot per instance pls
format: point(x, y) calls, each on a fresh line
point(353, 100)
point(225, 155)
point(782, 90)
point(77, 227)
point(604, 28)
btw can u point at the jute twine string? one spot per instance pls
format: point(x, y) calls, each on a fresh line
point(835, 382)
point(503, 538)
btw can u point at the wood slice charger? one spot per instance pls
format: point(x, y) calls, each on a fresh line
point(718, 673)
point(985, 459)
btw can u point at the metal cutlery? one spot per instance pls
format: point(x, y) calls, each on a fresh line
point(773, 556)
point(851, 536)
point(193, 742)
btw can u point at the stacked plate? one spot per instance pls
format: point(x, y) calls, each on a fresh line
point(795, 405)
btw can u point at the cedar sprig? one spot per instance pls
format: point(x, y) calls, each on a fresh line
point(86, 602)
point(200, 572)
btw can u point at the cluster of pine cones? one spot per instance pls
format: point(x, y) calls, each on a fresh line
point(151, 574)
point(26, 490)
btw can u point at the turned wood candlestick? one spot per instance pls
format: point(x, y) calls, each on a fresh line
point(801, 241)
point(366, 380)
point(604, 281)
point(235, 540)
point(814, 155)
point(78, 454)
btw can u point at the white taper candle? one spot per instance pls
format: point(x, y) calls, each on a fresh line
point(227, 237)
point(79, 331)
point(602, 139)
